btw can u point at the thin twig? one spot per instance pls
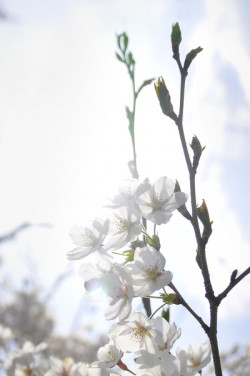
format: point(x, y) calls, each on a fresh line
point(183, 302)
point(231, 285)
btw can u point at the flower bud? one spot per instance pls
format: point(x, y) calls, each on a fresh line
point(164, 98)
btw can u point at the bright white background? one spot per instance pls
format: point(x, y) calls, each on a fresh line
point(64, 144)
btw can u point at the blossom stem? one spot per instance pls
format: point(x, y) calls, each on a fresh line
point(133, 164)
point(157, 310)
point(134, 171)
point(144, 231)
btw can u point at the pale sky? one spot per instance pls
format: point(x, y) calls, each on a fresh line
point(64, 143)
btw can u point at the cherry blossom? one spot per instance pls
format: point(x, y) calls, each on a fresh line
point(168, 334)
point(60, 367)
point(25, 361)
point(195, 358)
point(125, 226)
point(106, 279)
point(134, 335)
point(120, 293)
point(129, 191)
point(88, 239)
point(148, 271)
point(158, 203)
point(108, 356)
point(167, 365)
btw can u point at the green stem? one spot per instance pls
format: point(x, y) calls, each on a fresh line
point(134, 172)
point(157, 310)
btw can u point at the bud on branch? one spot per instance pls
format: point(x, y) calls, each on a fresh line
point(190, 57)
point(164, 98)
point(197, 149)
point(203, 214)
point(176, 38)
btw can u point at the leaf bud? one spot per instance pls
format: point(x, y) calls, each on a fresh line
point(190, 57)
point(176, 38)
point(145, 83)
point(203, 214)
point(197, 149)
point(233, 275)
point(122, 41)
point(164, 98)
point(182, 209)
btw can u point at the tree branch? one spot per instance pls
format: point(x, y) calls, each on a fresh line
point(187, 306)
point(231, 285)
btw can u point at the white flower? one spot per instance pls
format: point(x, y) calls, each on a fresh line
point(166, 367)
point(65, 367)
point(88, 239)
point(148, 271)
point(118, 287)
point(125, 226)
point(6, 335)
point(81, 369)
point(105, 279)
point(25, 361)
point(95, 266)
point(132, 336)
point(92, 271)
point(129, 191)
point(158, 203)
point(168, 334)
point(195, 358)
point(108, 356)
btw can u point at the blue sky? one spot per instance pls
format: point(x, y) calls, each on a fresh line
point(64, 144)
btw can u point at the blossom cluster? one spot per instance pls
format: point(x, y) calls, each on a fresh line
point(38, 361)
point(142, 273)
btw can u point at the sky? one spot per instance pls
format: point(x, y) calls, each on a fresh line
point(64, 143)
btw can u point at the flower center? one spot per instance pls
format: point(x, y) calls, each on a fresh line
point(156, 202)
point(89, 239)
point(122, 224)
point(194, 362)
point(151, 272)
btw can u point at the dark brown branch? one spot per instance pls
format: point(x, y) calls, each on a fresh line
point(231, 285)
point(201, 246)
point(187, 306)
